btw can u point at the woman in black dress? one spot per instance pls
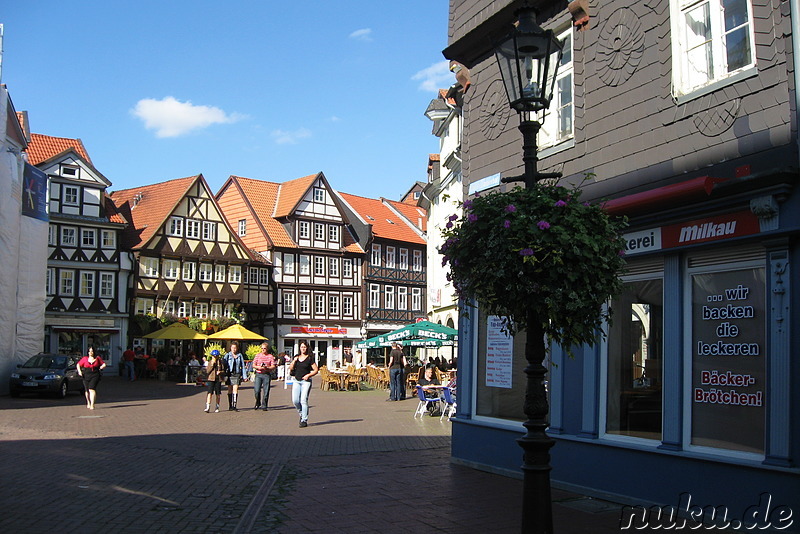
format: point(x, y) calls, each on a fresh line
point(89, 368)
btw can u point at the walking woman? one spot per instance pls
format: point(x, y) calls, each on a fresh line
point(89, 368)
point(302, 368)
point(234, 362)
point(215, 370)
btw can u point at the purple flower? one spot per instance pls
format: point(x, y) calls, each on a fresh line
point(452, 217)
point(448, 225)
point(472, 217)
point(526, 252)
point(506, 224)
point(511, 208)
point(543, 225)
point(560, 204)
point(586, 204)
point(467, 204)
point(621, 253)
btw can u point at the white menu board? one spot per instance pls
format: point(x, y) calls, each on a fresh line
point(499, 354)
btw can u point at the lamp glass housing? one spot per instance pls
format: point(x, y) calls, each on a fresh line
point(529, 58)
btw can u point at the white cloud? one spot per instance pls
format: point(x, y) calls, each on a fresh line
point(435, 77)
point(364, 34)
point(282, 137)
point(172, 118)
point(334, 118)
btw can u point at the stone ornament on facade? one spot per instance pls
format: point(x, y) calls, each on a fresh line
point(620, 47)
point(493, 110)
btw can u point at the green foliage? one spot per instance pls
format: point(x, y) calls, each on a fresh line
point(538, 249)
point(213, 346)
point(252, 350)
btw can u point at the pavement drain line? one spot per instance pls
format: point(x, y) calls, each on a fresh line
point(250, 514)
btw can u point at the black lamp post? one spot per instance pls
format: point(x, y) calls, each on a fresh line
point(529, 58)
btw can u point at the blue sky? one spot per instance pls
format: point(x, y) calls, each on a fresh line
point(263, 89)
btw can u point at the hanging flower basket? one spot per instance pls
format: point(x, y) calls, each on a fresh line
point(537, 249)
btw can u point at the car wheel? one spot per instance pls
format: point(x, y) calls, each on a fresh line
point(63, 389)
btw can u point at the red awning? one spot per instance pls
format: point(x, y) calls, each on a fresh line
point(663, 197)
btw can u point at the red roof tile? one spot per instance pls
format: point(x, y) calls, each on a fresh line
point(147, 213)
point(415, 214)
point(43, 147)
point(261, 196)
point(385, 223)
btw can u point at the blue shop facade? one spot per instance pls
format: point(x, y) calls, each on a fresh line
point(693, 391)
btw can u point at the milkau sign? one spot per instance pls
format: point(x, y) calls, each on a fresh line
point(725, 226)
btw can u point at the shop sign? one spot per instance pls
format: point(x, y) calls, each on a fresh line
point(318, 330)
point(728, 368)
point(715, 228)
point(499, 354)
point(34, 193)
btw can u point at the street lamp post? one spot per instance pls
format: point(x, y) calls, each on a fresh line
point(529, 58)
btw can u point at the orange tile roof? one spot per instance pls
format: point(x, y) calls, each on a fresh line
point(147, 215)
point(415, 214)
point(111, 211)
point(385, 223)
point(290, 193)
point(43, 147)
point(261, 196)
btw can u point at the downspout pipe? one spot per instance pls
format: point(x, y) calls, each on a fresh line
point(795, 17)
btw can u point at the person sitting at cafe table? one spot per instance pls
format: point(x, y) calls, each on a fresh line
point(426, 382)
point(152, 365)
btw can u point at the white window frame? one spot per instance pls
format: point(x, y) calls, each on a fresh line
point(263, 276)
point(108, 239)
point(303, 229)
point(193, 229)
point(175, 226)
point(52, 231)
point(171, 269)
point(319, 266)
point(388, 293)
point(685, 84)
point(184, 309)
point(347, 267)
point(333, 305)
point(319, 304)
point(374, 296)
point(319, 231)
point(319, 194)
point(288, 264)
point(416, 299)
point(219, 273)
point(417, 261)
point(205, 273)
point(189, 271)
point(106, 285)
point(333, 267)
point(149, 267)
point(305, 265)
point(169, 306)
point(88, 237)
point(242, 227)
point(216, 310)
point(347, 306)
point(144, 306)
point(235, 274)
point(71, 195)
point(288, 303)
point(333, 233)
point(201, 310)
point(402, 298)
point(69, 236)
point(375, 256)
point(50, 282)
point(253, 275)
point(390, 255)
point(558, 121)
point(86, 287)
point(209, 230)
point(403, 262)
point(304, 302)
point(66, 283)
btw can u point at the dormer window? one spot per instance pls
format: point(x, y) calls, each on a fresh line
point(319, 194)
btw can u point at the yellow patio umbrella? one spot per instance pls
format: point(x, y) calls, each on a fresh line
point(176, 331)
point(236, 331)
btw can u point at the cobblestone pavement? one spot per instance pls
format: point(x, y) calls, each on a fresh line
point(148, 459)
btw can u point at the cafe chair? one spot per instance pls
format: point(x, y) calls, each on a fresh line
point(424, 401)
point(449, 408)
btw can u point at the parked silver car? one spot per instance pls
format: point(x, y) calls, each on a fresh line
point(46, 373)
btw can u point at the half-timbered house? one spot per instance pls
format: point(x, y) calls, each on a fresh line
point(301, 226)
point(395, 266)
point(188, 261)
point(87, 270)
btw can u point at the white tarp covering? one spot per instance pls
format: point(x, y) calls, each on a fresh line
point(23, 262)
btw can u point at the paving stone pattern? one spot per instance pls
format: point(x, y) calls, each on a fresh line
point(148, 459)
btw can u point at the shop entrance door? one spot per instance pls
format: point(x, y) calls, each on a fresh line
point(319, 348)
